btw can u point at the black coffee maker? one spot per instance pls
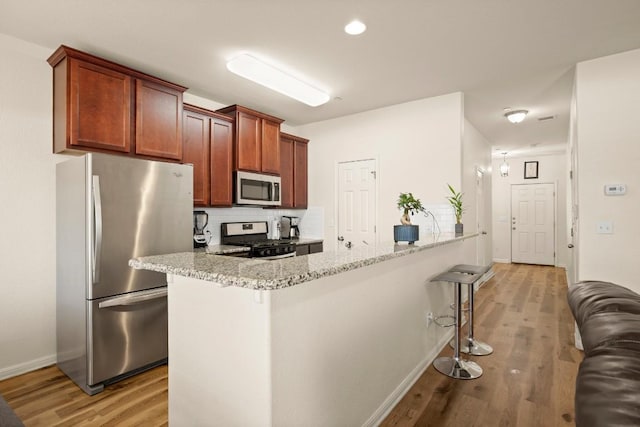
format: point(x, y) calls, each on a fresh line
point(200, 221)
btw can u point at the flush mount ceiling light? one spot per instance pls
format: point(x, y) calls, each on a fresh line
point(504, 167)
point(355, 27)
point(516, 116)
point(257, 71)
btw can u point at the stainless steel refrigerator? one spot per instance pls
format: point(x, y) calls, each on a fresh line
point(112, 319)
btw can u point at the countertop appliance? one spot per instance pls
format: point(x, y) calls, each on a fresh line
point(200, 221)
point(290, 227)
point(112, 319)
point(256, 189)
point(255, 236)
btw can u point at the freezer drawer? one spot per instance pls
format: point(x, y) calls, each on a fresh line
point(127, 332)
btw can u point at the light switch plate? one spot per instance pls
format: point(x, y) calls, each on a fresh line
point(604, 227)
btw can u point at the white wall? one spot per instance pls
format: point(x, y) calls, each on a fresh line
point(476, 155)
point(552, 168)
point(27, 196)
point(608, 143)
point(417, 145)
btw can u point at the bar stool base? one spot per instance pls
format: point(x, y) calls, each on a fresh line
point(457, 368)
point(473, 347)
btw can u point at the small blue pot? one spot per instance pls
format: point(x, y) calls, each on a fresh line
point(406, 233)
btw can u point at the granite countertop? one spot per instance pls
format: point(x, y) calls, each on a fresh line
point(276, 274)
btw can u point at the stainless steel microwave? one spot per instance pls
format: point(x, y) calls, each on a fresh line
point(257, 189)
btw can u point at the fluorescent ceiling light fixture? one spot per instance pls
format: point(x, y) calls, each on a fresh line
point(257, 71)
point(516, 116)
point(355, 27)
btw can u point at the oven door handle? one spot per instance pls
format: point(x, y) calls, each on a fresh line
point(274, 257)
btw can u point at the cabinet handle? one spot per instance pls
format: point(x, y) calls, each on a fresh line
point(340, 238)
point(137, 298)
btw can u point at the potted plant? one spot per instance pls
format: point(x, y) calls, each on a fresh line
point(407, 232)
point(456, 202)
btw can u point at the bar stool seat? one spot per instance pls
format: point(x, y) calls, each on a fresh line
point(454, 366)
point(470, 345)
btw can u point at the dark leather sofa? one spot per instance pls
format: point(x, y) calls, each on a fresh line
point(608, 382)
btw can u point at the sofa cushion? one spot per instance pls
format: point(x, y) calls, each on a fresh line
point(612, 329)
point(608, 388)
point(590, 297)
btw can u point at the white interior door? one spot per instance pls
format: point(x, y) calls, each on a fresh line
point(356, 203)
point(533, 224)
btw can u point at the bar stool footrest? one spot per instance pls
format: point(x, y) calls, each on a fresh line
point(438, 322)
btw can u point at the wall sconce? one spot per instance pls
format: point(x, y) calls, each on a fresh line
point(504, 167)
point(516, 116)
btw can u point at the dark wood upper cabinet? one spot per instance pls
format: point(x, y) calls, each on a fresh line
point(286, 170)
point(270, 147)
point(256, 140)
point(221, 162)
point(300, 179)
point(103, 106)
point(293, 174)
point(208, 145)
point(196, 134)
point(248, 153)
point(158, 120)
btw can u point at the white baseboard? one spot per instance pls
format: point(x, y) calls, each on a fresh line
point(392, 400)
point(31, 365)
point(502, 260)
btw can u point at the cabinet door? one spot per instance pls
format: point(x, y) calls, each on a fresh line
point(270, 147)
point(302, 250)
point(286, 171)
point(248, 154)
point(158, 121)
point(315, 248)
point(196, 151)
point(99, 111)
point(300, 174)
point(221, 163)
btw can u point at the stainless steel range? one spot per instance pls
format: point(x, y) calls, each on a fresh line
point(254, 235)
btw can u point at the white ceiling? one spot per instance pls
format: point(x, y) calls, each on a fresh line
point(500, 53)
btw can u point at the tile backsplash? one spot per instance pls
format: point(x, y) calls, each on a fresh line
point(311, 219)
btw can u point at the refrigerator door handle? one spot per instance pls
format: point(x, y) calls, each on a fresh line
point(136, 298)
point(97, 228)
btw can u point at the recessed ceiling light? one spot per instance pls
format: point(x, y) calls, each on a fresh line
point(257, 71)
point(355, 27)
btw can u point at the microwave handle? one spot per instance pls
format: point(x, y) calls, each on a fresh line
point(276, 192)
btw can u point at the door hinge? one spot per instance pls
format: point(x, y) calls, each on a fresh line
point(570, 174)
point(375, 229)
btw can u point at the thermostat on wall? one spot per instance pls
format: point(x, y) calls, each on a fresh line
point(615, 189)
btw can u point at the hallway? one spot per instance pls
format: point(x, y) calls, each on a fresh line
point(528, 380)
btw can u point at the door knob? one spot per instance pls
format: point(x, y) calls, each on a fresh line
point(348, 245)
point(484, 232)
point(513, 228)
point(570, 245)
point(340, 238)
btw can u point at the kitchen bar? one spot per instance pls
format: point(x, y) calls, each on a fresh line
point(296, 341)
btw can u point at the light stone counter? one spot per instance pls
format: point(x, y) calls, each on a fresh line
point(276, 274)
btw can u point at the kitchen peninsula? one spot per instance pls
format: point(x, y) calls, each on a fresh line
point(333, 338)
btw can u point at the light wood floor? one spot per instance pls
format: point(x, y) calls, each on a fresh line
point(528, 380)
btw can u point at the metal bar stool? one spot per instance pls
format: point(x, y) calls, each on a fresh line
point(454, 366)
point(471, 345)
